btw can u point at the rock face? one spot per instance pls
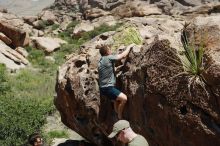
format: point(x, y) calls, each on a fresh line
point(165, 104)
point(18, 37)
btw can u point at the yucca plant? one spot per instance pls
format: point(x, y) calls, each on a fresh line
point(193, 63)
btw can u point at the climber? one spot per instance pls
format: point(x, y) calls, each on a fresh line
point(123, 132)
point(107, 78)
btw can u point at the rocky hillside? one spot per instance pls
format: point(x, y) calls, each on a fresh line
point(94, 8)
point(168, 103)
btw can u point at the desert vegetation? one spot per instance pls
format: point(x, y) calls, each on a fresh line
point(27, 96)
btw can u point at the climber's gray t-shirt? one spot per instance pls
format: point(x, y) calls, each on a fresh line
point(139, 140)
point(106, 71)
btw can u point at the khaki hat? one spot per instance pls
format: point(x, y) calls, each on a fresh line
point(118, 126)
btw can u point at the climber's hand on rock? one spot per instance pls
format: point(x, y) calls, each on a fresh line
point(131, 45)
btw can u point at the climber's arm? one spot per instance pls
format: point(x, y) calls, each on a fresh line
point(125, 52)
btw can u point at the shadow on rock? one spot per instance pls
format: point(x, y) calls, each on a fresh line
point(75, 143)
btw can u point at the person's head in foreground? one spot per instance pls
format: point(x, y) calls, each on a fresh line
point(123, 133)
point(35, 139)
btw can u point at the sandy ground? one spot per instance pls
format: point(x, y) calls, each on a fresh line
point(25, 7)
point(54, 124)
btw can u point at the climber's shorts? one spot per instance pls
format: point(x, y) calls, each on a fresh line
point(111, 92)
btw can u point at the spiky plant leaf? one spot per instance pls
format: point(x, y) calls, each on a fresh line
point(194, 57)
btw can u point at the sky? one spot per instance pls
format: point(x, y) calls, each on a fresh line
point(25, 7)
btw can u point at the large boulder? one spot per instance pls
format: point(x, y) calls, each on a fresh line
point(107, 20)
point(105, 4)
point(15, 28)
point(84, 26)
point(209, 8)
point(47, 44)
point(30, 19)
point(95, 13)
point(18, 36)
point(48, 16)
point(11, 58)
point(136, 8)
point(167, 105)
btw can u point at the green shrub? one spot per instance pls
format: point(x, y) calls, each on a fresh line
point(65, 36)
point(19, 118)
point(72, 24)
point(43, 24)
point(4, 87)
point(126, 36)
point(37, 59)
point(23, 109)
point(101, 29)
point(55, 26)
point(65, 50)
point(35, 56)
point(97, 31)
point(33, 84)
point(58, 134)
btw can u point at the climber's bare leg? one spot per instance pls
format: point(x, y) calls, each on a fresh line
point(119, 104)
point(115, 106)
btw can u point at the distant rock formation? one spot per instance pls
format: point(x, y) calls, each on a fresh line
point(82, 8)
point(166, 105)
